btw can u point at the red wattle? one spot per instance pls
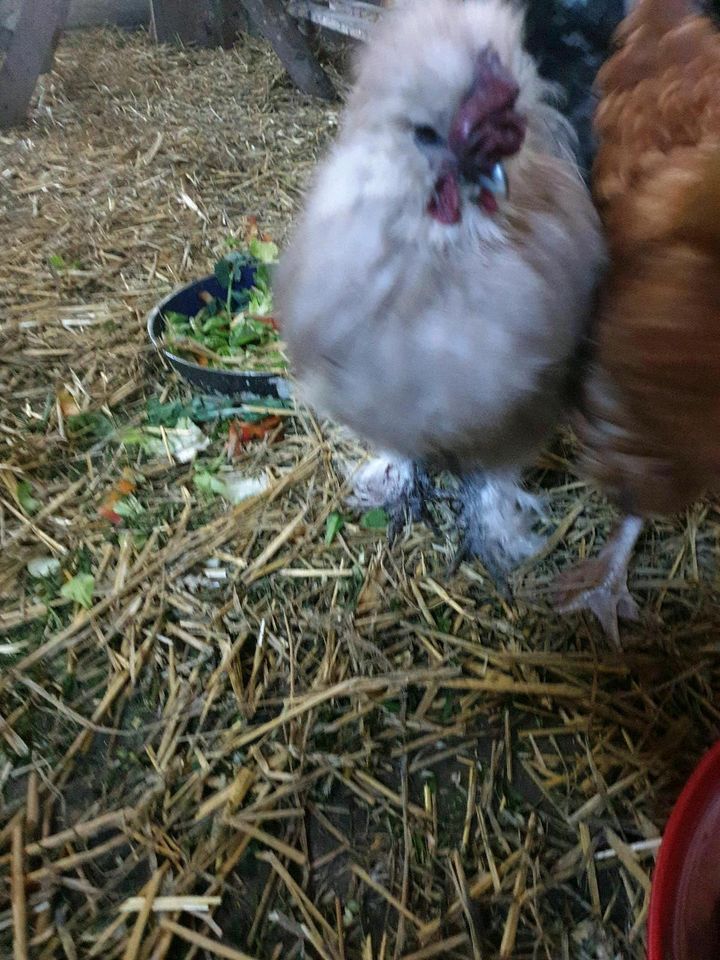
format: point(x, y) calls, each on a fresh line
point(444, 204)
point(488, 202)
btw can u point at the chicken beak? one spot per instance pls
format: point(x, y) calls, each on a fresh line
point(495, 182)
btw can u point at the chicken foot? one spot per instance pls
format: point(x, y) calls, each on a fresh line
point(414, 502)
point(495, 521)
point(600, 583)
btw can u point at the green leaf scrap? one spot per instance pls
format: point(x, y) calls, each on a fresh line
point(333, 525)
point(26, 499)
point(263, 250)
point(208, 483)
point(375, 519)
point(79, 589)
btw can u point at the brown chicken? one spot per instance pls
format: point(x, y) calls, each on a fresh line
point(650, 420)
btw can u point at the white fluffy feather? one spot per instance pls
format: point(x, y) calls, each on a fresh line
point(377, 482)
point(502, 516)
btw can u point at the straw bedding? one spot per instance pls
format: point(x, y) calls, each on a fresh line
point(221, 735)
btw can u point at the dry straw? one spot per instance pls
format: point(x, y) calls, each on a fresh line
point(255, 743)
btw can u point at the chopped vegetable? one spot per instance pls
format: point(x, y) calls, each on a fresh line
point(40, 567)
point(80, 589)
point(242, 432)
point(25, 498)
point(375, 519)
point(229, 484)
point(263, 250)
point(237, 330)
point(184, 441)
point(208, 482)
point(110, 508)
point(207, 409)
point(239, 488)
point(333, 525)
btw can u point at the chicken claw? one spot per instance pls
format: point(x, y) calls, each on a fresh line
point(600, 583)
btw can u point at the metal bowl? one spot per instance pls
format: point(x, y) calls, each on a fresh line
point(245, 384)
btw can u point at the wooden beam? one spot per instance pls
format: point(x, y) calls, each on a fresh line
point(9, 14)
point(31, 53)
point(346, 22)
point(279, 29)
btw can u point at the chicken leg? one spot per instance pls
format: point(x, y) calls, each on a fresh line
point(600, 583)
point(413, 503)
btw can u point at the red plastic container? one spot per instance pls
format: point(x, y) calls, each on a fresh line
point(684, 918)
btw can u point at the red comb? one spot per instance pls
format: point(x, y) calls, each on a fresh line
point(486, 122)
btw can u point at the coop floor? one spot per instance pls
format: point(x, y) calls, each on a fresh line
point(338, 750)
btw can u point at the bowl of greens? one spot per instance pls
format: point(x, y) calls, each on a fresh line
point(219, 332)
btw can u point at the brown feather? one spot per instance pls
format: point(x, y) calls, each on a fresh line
point(650, 423)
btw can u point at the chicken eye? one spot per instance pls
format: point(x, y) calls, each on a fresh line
point(427, 136)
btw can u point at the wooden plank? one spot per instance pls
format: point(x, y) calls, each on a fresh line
point(337, 20)
point(293, 49)
point(31, 53)
point(345, 24)
point(358, 8)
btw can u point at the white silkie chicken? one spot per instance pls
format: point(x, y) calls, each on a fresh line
point(439, 280)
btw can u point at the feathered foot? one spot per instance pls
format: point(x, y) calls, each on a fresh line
point(403, 488)
point(600, 584)
point(413, 504)
point(496, 523)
